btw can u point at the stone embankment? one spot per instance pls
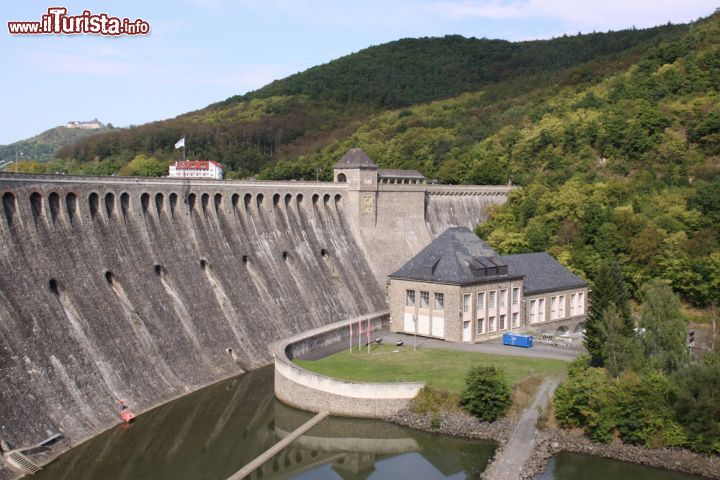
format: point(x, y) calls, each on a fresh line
point(554, 440)
point(456, 424)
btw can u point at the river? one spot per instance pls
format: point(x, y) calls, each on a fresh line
point(212, 433)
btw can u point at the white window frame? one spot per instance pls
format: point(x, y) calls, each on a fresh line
point(409, 298)
point(553, 308)
point(425, 300)
point(515, 295)
point(502, 298)
point(492, 299)
point(581, 303)
point(467, 302)
point(491, 323)
point(533, 311)
point(573, 304)
point(561, 306)
point(481, 325)
point(439, 301)
point(515, 320)
point(541, 310)
point(502, 321)
point(481, 304)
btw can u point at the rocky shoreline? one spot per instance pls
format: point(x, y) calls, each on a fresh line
point(456, 424)
point(554, 440)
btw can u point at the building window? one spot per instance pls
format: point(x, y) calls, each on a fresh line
point(491, 324)
point(515, 320)
point(573, 304)
point(581, 303)
point(439, 301)
point(409, 298)
point(502, 322)
point(424, 299)
point(553, 308)
point(533, 310)
point(491, 298)
point(466, 303)
point(541, 310)
point(481, 304)
point(561, 306)
point(480, 326)
point(503, 297)
point(516, 296)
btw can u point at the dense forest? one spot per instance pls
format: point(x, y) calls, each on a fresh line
point(304, 112)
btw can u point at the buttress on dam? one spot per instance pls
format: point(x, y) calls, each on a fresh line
point(147, 289)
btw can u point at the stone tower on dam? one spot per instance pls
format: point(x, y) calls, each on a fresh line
point(146, 289)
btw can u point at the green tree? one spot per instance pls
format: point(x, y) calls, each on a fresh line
point(663, 328)
point(620, 351)
point(28, 166)
point(585, 400)
point(609, 289)
point(144, 166)
point(487, 394)
point(697, 403)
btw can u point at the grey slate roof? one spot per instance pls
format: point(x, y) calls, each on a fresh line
point(456, 257)
point(395, 173)
point(355, 158)
point(542, 273)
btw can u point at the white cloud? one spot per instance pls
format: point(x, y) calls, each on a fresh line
point(586, 16)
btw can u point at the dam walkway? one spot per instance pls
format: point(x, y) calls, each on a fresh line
point(509, 463)
point(278, 447)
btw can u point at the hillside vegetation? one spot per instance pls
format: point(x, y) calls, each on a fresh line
point(304, 112)
point(619, 165)
point(43, 147)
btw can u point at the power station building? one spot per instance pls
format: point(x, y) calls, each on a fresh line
point(459, 289)
point(196, 169)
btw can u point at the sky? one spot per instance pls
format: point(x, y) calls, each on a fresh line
point(203, 51)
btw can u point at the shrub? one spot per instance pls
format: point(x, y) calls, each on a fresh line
point(486, 395)
point(585, 400)
point(429, 400)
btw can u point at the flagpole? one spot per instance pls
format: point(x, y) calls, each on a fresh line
point(368, 335)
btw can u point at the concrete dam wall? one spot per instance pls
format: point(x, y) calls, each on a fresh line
point(144, 290)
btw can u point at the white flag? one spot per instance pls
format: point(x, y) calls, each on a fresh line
point(180, 143)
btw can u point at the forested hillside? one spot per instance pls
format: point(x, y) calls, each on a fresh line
point(307, 111)
point(42, 147)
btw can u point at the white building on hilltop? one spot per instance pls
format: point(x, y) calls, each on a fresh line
point(91, 125)
point(196, 169)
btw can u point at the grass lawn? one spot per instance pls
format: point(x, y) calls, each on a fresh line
point(440, 369)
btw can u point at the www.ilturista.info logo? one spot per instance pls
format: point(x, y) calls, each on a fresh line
point(57, 21)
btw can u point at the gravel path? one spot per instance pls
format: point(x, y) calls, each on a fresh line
point(509, 463)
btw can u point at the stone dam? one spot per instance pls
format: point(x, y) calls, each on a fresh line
point(147, 289)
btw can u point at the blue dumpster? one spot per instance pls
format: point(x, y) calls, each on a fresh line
point(517, 340)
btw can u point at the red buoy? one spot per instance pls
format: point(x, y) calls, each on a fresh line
point(125, 414)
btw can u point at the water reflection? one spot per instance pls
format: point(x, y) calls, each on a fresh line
point(212, 433)
point(572, 466)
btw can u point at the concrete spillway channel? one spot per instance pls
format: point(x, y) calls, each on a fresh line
point(278, 447)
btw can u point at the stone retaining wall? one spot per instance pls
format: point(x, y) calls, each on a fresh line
point(307, 390)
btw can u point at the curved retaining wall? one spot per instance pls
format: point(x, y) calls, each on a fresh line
point(311, 391)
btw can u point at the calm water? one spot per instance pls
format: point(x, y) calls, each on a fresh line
point(214, 432)
point(571, 466)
